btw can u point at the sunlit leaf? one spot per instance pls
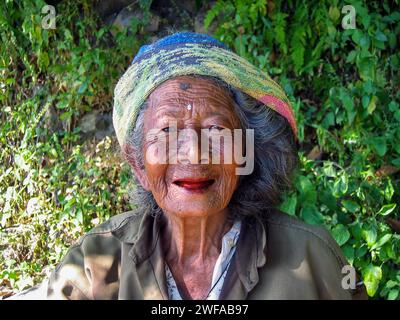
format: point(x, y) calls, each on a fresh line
point(372, 276)
point(340, 234)
point(387, 209)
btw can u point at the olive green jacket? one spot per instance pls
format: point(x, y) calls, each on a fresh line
point(279, 258)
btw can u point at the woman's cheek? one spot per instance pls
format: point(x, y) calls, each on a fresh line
point(228, 182)
point(156, 175)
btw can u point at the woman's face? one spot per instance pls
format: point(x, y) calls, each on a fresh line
point(186, 187)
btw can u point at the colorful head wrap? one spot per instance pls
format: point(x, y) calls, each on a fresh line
point(186, 53)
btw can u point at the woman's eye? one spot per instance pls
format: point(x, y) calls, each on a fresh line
point(215, 127)
point(170, 129)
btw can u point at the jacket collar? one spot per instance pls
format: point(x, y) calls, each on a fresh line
point(147, 238)
point(147, 256)
point(250, 253)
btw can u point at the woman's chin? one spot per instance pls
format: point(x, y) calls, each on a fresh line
point(185, 202)
point(193, 210)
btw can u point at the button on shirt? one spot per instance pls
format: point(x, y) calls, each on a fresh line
point(228, 248)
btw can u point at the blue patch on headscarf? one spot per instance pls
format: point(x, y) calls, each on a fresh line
point(176, 39)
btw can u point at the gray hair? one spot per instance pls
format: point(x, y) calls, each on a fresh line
point(275, 162)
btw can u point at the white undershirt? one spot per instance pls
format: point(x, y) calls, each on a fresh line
point(228, 248)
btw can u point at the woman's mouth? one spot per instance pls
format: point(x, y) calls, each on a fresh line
point(194, 185)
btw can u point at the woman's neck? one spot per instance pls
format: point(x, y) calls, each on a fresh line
point(192, 240)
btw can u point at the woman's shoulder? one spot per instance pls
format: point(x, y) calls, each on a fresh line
point(122, 227)
point(306, 238)
point(120, 221)
point(300, 256)
point(106, 239)
point(96, 252)
point(277, 219)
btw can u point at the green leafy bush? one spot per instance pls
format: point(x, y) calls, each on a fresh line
point(54, 187)
point(344, 87)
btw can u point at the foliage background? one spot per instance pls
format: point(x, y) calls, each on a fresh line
point(344, 85)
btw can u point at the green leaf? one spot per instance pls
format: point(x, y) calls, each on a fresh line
point(396, 162)
point(63, 104)
point(361, 251)
point(379, 35)
point(348, 251)
point(369, 87)
point(20, 162)
point(393, 294)
point(307, 193)
point(311, 215)
point(347, 101)
point(329, 120)
point(356, 36)
point(43, 60)
point(379, 144)
point(356, 230)
point(79, 215)
point(328, 199)
point(334, 14)
point(348, 104)
point(352, 55)
point(387, 209)
point(289, 205)
point(366, 68)
point(329, 170)
point(369, 234)
point(372, 105)
point(298, 44)
point(66, 115)
point(365, 101)
point(372, 276)
point(340, 186)
point(82, 88)
point(340, 234)
point(365, 41)
point(391, 284)
point(213, 13)
point(397, 115)
point(381, 241)
point(350, 205)
point(393, 106)
point(389, 191)
point(280, 30)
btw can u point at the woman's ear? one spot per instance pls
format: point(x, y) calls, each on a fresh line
point(138, 170)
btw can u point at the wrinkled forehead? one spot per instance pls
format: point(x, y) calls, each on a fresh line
point(188, 96)
point(187, 89)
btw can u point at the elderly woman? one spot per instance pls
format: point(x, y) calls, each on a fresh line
point(206, 224)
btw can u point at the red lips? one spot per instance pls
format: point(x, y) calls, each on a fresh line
point(196, 185)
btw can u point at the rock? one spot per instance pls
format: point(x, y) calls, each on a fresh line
point(51, 120)
point(127, 14)
point(96, 125)
point(315, 153)
point(199, 22)
point(105, 8)
point(190, 6)
point(104, 126)
point(88, 122)
point(153, 39)
point(175, 15)
point(109, 20)
point(154, 24)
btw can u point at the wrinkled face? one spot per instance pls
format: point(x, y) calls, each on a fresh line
point(187, 188)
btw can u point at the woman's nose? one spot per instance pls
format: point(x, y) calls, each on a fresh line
point(188, 146)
